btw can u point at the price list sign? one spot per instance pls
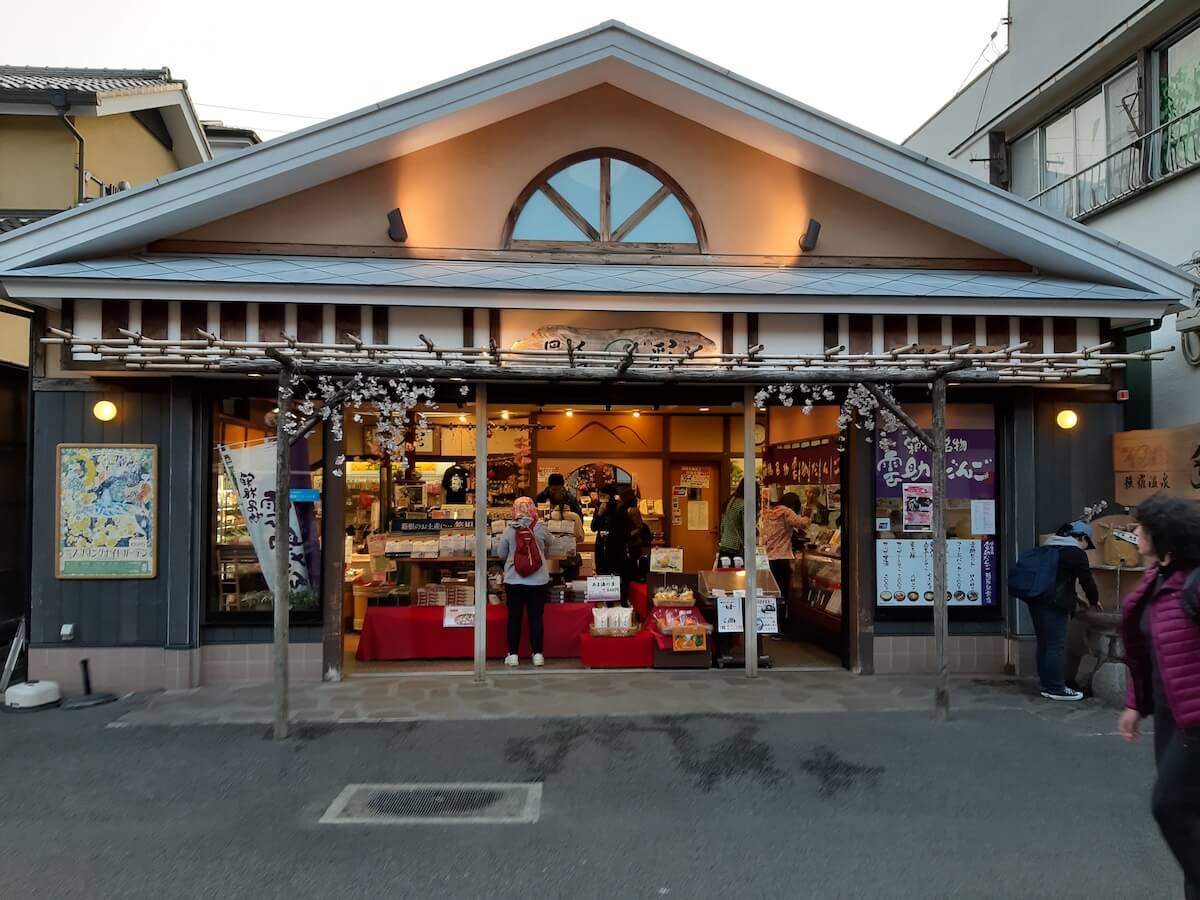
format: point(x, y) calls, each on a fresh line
point(904, 573)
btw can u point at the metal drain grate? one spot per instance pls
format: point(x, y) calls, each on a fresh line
point(435, 804)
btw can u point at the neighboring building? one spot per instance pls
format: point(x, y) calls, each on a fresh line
point(1094, 113)
point(225, 139)
point(605, 188)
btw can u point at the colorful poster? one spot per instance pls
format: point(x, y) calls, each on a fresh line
point(918, 507)
point(904, 573)
point(970, 463)
point(666, 559)
point(107, 516)
point(252, 469)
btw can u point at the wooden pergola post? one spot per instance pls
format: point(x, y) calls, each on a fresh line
point(481, 532)
point(333, 550)
point(750, 531)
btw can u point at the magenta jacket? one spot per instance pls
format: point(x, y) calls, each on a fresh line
point(1176, 649)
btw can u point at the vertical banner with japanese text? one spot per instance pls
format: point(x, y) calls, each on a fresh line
point(252, 469)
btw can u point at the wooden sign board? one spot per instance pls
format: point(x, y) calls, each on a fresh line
point(1157, 461)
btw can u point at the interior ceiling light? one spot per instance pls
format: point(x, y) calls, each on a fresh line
point(462, 417)
point(570, 412)
point(637, 414)
point(704, 409)
point(504, 414)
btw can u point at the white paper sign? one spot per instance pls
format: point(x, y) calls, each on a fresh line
point(458, 617)
point(604, 589)
point(729, 614)
point(983, 517)
point(697, 513)
point(768, 615)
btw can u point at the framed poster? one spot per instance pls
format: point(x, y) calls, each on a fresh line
point(106, 511)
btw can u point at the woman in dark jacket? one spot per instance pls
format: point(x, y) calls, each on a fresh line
point(1160, 626)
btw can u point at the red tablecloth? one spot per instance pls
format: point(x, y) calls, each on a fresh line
point(635, 652)
point(416, 632)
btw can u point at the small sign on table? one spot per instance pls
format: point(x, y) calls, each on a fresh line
point(604, 589)
point(458, 617)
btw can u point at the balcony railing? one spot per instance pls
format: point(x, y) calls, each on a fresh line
point(1168, 150)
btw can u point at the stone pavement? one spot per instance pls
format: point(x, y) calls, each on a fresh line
point(582, 695)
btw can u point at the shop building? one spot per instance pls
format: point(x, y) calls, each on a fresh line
point(603, 249)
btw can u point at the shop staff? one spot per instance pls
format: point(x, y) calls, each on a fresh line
point(556, 494)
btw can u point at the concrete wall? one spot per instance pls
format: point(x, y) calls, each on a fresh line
point(457, 194)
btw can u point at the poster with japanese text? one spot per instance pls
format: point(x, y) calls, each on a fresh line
point(904, 573)
point(901, 459)
point(107, 518)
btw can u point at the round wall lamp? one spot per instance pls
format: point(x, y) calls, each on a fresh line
point(105, 410)
point(1067, 419)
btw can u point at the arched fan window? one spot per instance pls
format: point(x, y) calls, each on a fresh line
point(608, 200)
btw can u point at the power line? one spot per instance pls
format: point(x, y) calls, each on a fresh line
point(261, 112)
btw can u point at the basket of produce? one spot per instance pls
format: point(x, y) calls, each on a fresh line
point(674, 596)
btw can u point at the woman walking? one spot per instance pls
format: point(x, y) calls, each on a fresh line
point(522, 546)
point(1160, 625)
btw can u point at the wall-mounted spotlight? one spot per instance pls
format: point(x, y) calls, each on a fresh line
point(808, 241)
point(105, 410)
point(396, 230)
point(1066, 419)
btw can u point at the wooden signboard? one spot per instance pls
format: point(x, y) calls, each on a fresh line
point(1157, 461)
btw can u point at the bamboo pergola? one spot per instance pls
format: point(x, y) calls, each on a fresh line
point(570, 363)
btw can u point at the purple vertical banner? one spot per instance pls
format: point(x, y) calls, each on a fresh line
point(970, 463)
point(990, 590)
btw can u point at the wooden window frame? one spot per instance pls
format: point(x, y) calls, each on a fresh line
point(609, 236)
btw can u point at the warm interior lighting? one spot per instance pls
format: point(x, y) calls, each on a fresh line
point(504, 414)
point(105, 410)
point(462, 417)
point(704, 409)
point(570, 412)
point(637, 414)
point(1067, 419)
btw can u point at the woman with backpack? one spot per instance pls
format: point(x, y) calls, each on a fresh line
point(522, 546)
point(1160, 627)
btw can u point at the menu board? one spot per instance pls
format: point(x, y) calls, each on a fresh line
point(904, 573)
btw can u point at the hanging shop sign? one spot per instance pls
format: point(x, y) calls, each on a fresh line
point(1157, 461)
point(252, 469)
point(641, 340)
point(904, 573)
point(902, 459)
point(815, 461)
point(107, 515)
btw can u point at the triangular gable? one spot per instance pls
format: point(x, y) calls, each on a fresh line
point(639, 65)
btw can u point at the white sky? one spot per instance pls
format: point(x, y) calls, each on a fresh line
point(884, 65)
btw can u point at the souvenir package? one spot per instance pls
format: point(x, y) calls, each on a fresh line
point(614, 622)
point(674, 596)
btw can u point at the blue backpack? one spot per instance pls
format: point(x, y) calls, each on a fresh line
point(1034, 576)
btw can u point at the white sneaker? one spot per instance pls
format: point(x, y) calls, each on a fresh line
point(539, 660)
point(511, 660)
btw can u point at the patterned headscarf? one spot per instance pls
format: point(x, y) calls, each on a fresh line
point(525, 508)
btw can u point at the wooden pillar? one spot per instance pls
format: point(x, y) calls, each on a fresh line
point(942, 691)
point(333, 551)
point(858, 546)
point(481, 531)
point(283, 508)
point(750, 532)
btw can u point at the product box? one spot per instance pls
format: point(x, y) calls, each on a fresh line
point(689, 639)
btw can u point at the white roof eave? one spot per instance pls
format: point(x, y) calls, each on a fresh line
point(634, 62)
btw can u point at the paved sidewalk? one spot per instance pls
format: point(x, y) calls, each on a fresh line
point(580, 695)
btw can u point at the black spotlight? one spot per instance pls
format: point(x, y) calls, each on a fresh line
point(809, 241)
point(396, 230)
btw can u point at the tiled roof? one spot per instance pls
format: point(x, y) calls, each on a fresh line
point(574, 278)
point(13, 221)
point(37, 79)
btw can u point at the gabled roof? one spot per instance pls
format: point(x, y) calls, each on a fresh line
point(640, 65)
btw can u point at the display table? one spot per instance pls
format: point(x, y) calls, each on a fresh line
point(416, 632)
point(636, 652)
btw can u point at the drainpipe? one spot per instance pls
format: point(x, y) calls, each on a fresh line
point(59, 101)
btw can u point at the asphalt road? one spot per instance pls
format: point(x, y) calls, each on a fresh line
point(998, 804)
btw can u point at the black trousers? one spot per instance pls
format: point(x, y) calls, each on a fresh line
point(519, 598)
point(1050, 626)
point(1176, 798)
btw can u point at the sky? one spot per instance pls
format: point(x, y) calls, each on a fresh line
point(884, 65)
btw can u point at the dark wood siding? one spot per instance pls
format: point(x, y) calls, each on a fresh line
point(154, 319)
point(310, 323)
point(347, 319)
point(233, 321)
point(1066, 335)
point(929, 331)
point(860, 334)
point(270, 321)
point(895, 331)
